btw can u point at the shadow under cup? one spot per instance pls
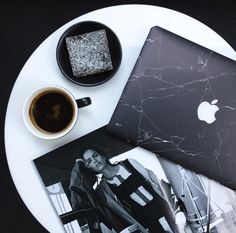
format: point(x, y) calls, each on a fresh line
point(51, 112)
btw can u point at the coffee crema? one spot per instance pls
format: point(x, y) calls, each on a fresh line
point(51, 111)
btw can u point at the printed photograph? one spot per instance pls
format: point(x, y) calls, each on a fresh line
point(100, 184)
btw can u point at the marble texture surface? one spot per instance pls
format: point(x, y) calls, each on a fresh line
point(158, 107)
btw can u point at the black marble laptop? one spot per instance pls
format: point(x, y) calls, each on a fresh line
point(180, 102)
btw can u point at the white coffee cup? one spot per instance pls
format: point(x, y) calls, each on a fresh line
point(50, 112)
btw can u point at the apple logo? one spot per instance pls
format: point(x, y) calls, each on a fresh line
point(206, 111)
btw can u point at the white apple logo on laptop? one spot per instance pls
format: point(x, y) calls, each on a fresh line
point(206, 111)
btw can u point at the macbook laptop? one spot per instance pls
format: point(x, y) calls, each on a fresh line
point(180, 103)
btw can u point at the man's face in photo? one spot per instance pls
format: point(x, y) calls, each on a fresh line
point(94, 160)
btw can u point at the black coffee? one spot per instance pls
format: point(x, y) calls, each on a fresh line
point(51, 112)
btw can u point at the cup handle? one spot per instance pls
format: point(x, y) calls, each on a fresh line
point(83, 102)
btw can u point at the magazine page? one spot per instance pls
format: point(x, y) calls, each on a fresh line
point(98, 183)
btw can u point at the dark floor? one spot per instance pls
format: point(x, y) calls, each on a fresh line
point(25, 24)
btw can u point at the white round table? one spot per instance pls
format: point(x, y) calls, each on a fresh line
point(131, 23)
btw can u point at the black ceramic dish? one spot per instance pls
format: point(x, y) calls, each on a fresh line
point(63, 56)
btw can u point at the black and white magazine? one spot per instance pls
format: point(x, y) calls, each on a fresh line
point(87, 201)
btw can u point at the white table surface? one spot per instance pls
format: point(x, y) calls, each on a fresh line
point(131, 23)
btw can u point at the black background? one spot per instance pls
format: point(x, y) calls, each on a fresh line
point(25, 24)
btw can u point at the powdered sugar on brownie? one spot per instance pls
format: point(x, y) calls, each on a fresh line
point(89, 53)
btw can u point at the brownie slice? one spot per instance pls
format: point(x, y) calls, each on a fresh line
point(89, 53)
